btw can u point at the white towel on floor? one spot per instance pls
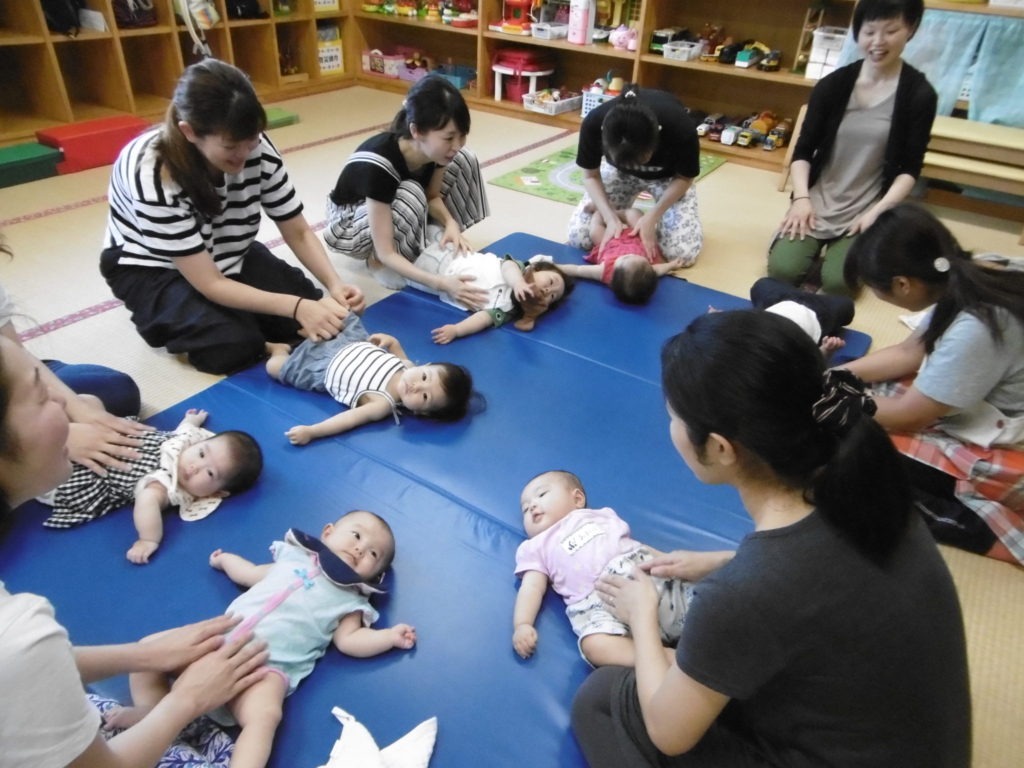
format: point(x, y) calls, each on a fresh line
point(356, 747)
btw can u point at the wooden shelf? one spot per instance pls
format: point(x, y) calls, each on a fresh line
point(983, 8)
point(411, 22)
point(595, 49)
point(729, 70)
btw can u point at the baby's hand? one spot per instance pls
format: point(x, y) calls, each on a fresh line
point(446, 334)
point(141, 551)
point(382, 340)
point(217, 559)
point(522, 290)
point(403, 636)
point(299, 435)
point(675, 264)
point(195, 416)
point(524, 640)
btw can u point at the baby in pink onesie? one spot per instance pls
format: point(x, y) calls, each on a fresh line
point(571, 547)
point(623, 264)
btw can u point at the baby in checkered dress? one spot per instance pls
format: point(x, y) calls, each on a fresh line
point(190, 468)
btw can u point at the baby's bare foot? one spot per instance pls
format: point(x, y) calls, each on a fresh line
point(277, 349)
point(124, 717)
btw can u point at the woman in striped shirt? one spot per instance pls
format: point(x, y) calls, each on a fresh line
point(185, 208)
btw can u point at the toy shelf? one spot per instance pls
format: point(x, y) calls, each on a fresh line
point(430, 26)
point(983, 8)
point(730, 70)
point(595, 49)
point(57, 79)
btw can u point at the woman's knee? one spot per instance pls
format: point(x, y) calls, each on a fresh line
point(791, 260)
point(223, 359)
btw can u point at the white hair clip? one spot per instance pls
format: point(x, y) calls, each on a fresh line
point(941, 264)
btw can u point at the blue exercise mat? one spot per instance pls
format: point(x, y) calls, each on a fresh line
point(580, 392)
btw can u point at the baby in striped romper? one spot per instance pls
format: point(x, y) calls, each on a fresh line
point(371, 374)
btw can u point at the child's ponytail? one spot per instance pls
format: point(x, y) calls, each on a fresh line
point(862, 490)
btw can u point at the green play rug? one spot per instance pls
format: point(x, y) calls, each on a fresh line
point(557, 177)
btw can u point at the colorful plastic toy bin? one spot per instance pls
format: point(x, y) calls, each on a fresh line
point(458, 74)
point(376, 62)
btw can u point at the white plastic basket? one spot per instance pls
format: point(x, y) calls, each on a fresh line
point(592, 100)
point(682, 50)
point(531, 102)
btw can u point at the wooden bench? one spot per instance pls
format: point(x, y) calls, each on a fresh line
point(962, 152)
point(976, 155)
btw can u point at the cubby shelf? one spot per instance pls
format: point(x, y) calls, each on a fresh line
point(58, 79)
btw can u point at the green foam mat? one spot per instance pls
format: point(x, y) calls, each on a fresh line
point(277, 117)
point(557, 177)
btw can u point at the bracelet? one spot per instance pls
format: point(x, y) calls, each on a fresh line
point(295, 312)
point(802, 197)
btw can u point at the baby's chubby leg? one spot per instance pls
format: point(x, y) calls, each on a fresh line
point(278, 355)
point(258, 711)
point(603, 650)
point(147, 688)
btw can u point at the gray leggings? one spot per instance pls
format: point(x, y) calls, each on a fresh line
point(609, 727)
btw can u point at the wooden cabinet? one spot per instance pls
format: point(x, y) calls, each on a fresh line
point(50, 79)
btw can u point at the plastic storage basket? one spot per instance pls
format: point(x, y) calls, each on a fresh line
point(682, 50)
point(458, 74)
point(592, 100)
point(532, 102)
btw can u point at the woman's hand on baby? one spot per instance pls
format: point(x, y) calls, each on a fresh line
point(220, 675)
point(196, 416)
point(799, 219)
point(100, 447)
point(684, 564)
point(403, 636)
point(141, 551)
point(446, 334)
point(349, 296)
point(611, 231)
point(174, 649)
point(630, 599)
point(320, 319)
point(647, 228)
point(460, 288)
point(299, 435)
point(524, 640)
point(453, 237)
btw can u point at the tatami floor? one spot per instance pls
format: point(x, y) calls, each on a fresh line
point(56, 226)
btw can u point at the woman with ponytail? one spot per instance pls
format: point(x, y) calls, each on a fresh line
point(181, 252)
point(952, 393)
point(833, 634)
point(416, 173)
point(641, 141)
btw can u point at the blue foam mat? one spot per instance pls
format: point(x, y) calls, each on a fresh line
point(580, 392)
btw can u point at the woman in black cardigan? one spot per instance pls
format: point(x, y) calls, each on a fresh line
point(861, 147)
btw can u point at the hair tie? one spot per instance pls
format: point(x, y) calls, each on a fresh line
point(941, 264)
point(843, 402)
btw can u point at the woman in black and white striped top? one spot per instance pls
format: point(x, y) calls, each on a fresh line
point(185, 207)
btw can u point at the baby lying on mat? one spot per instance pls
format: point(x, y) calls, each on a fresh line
point(517, 292)
point(372, 375)
point(623, 263)
point(317, 591)
point(571, 547)
point(189, 468)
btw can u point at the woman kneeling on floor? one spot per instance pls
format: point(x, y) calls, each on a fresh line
point(952, 393)
point(416, 172)
point(833, 634)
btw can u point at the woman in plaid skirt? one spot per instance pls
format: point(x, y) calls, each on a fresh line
point(953, 392)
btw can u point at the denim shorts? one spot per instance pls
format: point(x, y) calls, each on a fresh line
point(307, 365)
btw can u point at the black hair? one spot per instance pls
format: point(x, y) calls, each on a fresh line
point(630, 130)
point(457, 384)
point(908, 241)
point(389, 558)
point(910, 11)
point(214, 98)
point(753, 378)
point(430, 105)
point(570, 478)
point(635, 285)
point(568, 282)
point(247, 458)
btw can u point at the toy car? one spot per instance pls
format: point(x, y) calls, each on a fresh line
point(719, 126)
point(764, 122)
point(729, 52)
point(729, 134)
point(771, 61)
point(705, 127)
point(779, 135)
point(666, 35)
point(747, 138)
point(712, 54)
point(751, 54)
